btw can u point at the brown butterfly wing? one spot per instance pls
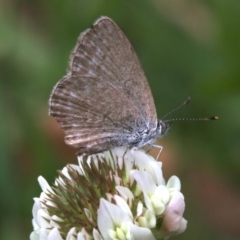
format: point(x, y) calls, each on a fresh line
point(94, 115)
point(105, 97)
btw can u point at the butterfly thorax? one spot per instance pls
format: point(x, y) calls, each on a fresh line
point(149, 135)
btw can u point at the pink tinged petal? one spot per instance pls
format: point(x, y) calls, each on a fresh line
point(182, 226)
point(174, 183)
point(54, 235)
point(109, 217)
point(140, 233)
point(173, 222)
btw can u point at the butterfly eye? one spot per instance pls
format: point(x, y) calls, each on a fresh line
point(146, 131)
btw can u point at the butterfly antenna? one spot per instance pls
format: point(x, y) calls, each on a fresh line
point(183, 104)
point(193, 119)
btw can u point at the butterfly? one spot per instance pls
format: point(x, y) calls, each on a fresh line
point(105, 101)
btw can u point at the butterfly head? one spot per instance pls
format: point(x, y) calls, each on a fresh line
point(163, 127)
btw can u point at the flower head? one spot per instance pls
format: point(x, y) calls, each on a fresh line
point(117, 194)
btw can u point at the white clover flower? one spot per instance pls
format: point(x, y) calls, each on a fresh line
point(116, 223)
point(118, 194)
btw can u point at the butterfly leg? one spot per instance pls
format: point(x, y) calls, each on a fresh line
point(127, 148)
point(156, 146)
point(151, 147)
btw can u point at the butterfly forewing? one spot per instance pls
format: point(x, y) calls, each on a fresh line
point(105, 98)
point(105, 52)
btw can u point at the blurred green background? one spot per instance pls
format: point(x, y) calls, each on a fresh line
point(186, 47)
